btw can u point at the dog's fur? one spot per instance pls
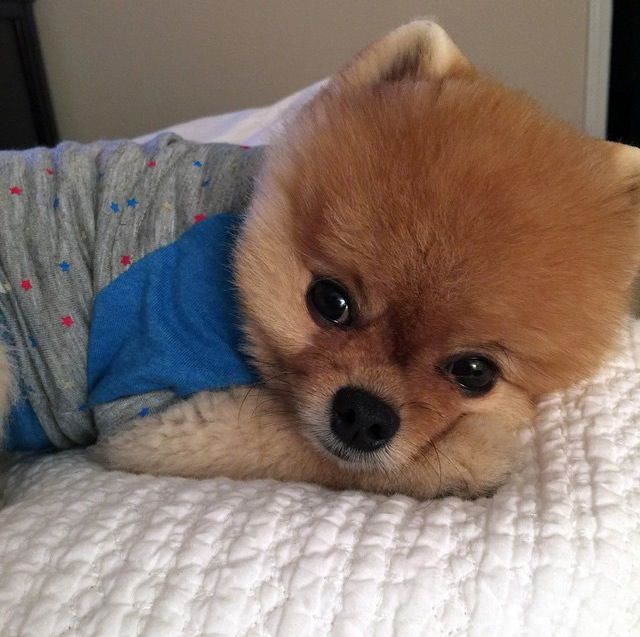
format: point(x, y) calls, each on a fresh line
point(461, 218)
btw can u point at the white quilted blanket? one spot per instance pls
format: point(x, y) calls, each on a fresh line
point(555, 552)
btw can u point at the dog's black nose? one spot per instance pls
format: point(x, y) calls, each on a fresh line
point(361, 420)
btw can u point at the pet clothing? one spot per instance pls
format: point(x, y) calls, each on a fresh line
point(116, 297)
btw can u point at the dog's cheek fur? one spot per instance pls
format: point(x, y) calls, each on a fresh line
point(271, 279)
point(485, 440)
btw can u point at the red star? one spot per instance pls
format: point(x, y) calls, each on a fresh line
point(67, 321)
point(49, 171)
point(199, 218)
point(245, 147)
point(25, 284)
point(125, 260)
point(15, 190)
point(152, 164)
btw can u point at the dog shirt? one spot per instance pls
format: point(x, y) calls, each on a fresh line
point(116, 297)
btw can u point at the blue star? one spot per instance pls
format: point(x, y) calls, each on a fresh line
point(197, 163)
point(143, 412)
point(206, 183)
point(83, 407)
point(132, 203)
point(56, 203)
point(65, 266)
point(115, 207)
point(33, 342)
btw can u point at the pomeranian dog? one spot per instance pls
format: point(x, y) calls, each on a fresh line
point(425, 254)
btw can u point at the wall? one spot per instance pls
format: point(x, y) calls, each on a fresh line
point(122, 68)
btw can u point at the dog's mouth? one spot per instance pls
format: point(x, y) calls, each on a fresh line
point(351, 459)
point(341, 452)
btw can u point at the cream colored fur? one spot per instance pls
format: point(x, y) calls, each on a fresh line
point(436, 52)
point(238, 435)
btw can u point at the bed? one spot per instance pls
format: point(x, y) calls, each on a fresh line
point(556, 551)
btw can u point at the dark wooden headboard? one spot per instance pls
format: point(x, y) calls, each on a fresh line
point(26, 114)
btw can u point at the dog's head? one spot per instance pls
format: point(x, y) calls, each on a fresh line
point(427, 252)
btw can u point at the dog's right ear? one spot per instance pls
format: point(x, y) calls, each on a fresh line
point(419, 50)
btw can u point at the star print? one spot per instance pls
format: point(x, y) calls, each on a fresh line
point(152, 164)
point(167, 206)
point(245, 147)
point(199, 218)
point(15, 190)
point(67, 321)
point(125, 260)
point(132, 203)
point(67, 384)
point(83, 407)
point(5, 288)
point(56, 203)
point(49, 171)
point(206, 183)
point(197, 163)
point(33, 342)
point(25, 284)
point(143, 412)
point(115, 207)
point(64, 266)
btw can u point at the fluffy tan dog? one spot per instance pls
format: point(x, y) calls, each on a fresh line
point(427, 253)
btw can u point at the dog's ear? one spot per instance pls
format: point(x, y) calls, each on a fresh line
point(627, 168)
point(419, 50)
point(627, 165)
point(623, 163)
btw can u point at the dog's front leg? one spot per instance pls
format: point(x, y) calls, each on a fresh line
point(235, 434)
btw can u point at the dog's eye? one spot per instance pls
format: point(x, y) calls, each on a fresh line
point(474, 373)
point(329, 301)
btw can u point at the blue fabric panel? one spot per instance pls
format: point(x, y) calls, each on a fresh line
point(171, 320)
point(24, 431)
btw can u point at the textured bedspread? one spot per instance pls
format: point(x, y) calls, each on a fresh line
point(555, 552)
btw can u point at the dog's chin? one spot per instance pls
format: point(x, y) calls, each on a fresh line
point(351, 459)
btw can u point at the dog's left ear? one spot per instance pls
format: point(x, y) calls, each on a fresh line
point(627, 164)
point(419, 50)
point(626, 172)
